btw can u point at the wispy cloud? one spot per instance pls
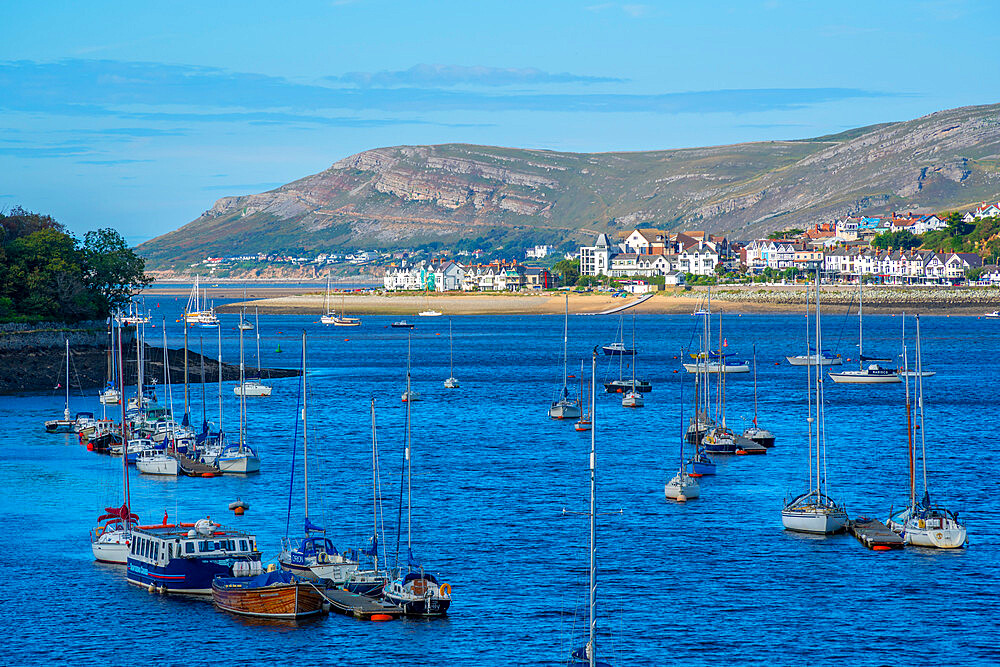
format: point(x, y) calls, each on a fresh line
point(635, 10)
point(111, 163)
point(457, 75)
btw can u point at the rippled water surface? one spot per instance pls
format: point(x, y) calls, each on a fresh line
point(710, 581)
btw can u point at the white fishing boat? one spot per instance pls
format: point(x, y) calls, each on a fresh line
point(156, 462)
point(815, 511)
point(873, 373)
point(995, 315)
point(451, 382)
point(564, 407)
point(922, 523)
point(198, 311)
point(240, 459)
point(430, 313)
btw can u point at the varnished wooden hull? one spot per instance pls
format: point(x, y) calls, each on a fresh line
point(277, 601)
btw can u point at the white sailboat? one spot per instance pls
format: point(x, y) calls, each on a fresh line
point(416, 591)
point(254, 386)
point(682, 486)
point(64, 425)
point(565, 407)
point(452, 381)
point(815, 511)
point(756, 432)
point(343, 320)
point(240, 459)
point(198, 311)
point(921, 523)
point(312, 557)
point(873, 373)
point(587, 654)
point(329, 315)
point(153, 461)
point(632, 398)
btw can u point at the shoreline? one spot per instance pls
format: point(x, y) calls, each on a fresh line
point(746, 299)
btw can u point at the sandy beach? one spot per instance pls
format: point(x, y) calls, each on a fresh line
point(733, 299)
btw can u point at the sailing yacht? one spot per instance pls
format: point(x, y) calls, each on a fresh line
point(417, 592)
point(254, 386)
point(815, 511)
point(329, 315)
point(618, 348)
point(565, 407)
point(409, 394)
point(452, 381)
point(371, 580)
point(159, 459)
point(110, 539)
point(66, 424)
point(198, 311)
point(873, 373)
point(760, 435)
point(343, 320)
point(921, 523)
point(632, 398)
point(241, 458)
point(682, 486)
point(587, 654)
point(313, 557)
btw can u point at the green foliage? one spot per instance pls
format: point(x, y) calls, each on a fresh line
point(45, 273)
point(899, 240)
point(982, 237)
point(568, 270)
point(974, 273)
point(785, 233)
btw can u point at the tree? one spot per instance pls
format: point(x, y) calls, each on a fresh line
point(899, 240)
point(568, 270)
point(114, 272)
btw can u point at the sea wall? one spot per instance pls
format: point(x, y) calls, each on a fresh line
point(47, 335)
point(875, 297)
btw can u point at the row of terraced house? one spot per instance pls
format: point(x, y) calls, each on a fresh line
point(447, 276)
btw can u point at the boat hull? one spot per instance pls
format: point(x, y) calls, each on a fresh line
point(252, 389)
point(158, 465)
point(716, 368)
point(238, 465)
point(185, 576)
point(936, 538)
point(565, 411)
point(818, 522)
point(682, 486)
point(283, 601)
point(114, 552)
point(623, 386)
point(864, 377)
point(810, 360)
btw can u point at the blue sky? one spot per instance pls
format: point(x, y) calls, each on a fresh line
point(140, 117)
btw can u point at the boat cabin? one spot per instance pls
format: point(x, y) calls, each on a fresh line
point(313, 549)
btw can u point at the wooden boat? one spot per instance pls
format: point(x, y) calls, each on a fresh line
point(276, 594)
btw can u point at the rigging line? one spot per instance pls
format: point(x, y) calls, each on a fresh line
point(843, 325)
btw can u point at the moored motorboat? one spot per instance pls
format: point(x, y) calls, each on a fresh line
point(618, 349)
point(873, 374)
point(252, 387)
point(430, 313)
point(273, 594)
point(186, 558)
point(402, 324)
point(625, 385)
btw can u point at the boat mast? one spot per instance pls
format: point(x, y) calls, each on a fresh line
point(920, 402)
point(305, 432)
point(375, 487)
point(820, 426)
point(242, 389)
point(809, 389)
point(451, 352)
point(184, 321)
point(633, 351)
point(139, 341)
point(755, 384)
point(256, 329)
point(219, 367)
point(166, 381)
point(409, 465)
point(592, 642)
point(121, 404)
point(201, 353)
point(66, 407)
point(909, 425)
point(565, 391)
point(861, 347)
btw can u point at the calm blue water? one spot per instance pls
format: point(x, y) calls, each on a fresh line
point(715, 579)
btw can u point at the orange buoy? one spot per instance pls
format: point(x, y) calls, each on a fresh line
point(675, 371)
point(90, 446)
point(880, 547)
point(381, 617)
point(238, 511)
point(208, 474)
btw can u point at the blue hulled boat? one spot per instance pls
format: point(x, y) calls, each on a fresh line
point(185, 558)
